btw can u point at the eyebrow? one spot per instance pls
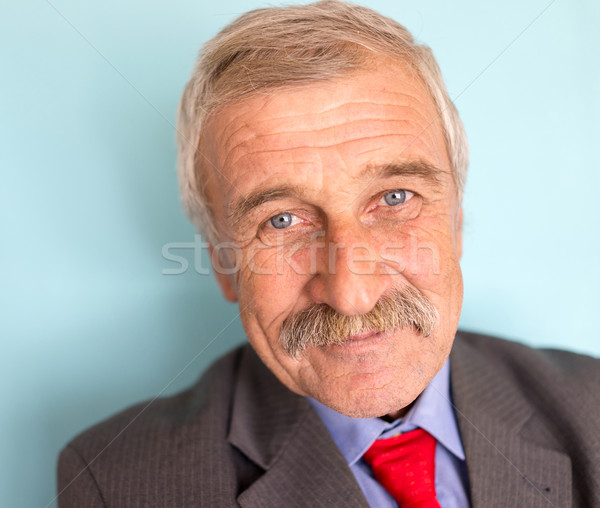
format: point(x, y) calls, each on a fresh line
point(243, 206)
point(419, 168)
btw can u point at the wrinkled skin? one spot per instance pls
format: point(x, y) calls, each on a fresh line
point(321, 145)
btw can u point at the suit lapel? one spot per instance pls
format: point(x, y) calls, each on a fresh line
point(507, 463)
point(280, 432)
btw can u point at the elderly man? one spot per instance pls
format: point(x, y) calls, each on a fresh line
point(322, 158)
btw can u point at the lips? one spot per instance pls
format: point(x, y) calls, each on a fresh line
point(369, 334)
point(368, 341)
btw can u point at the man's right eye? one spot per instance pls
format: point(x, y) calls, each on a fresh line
point(282, 220)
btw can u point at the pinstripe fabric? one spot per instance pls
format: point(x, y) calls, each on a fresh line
point(163, 455)
point(281, 432)
point(529, 422)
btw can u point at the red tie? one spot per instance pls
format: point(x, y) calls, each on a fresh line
point(405, 466)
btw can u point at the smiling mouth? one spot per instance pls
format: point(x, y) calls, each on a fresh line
point(365, 336)
point(361, 342)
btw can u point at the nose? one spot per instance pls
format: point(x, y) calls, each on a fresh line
point(350, 276)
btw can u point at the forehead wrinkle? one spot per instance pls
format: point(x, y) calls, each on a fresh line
point(243, 126)
point(323, 130)
point(368, 150)
point(348, 104)
point(232, 113)
point(337, 145)
point(289, 135)
point(388, 109)
point(389, 115)
point(384, 112)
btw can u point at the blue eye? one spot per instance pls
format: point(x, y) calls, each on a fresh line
point(397, 197)
point(282, 220)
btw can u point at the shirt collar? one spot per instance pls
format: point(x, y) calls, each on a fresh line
point(432, 411)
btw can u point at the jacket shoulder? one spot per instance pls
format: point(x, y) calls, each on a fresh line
point(563, 366)
point(156, 450)
point(524, 399)
point(505, 379)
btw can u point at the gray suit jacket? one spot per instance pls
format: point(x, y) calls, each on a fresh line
point(529, 421)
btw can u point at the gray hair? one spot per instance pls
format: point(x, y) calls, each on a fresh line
point(284, 47)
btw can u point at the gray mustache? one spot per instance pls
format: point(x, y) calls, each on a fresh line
point(321, 325)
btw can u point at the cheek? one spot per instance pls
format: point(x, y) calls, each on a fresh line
point(270, 284)
point(277, 266)
point(421, 251)
point(434, 268)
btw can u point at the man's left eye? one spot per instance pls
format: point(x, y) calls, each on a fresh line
point(397, 197)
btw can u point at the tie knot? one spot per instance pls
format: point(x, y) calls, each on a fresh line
point(405, 466)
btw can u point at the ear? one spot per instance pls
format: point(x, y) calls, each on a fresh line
point(459, 228)
point(226, 281)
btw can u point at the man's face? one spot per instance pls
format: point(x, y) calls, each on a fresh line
point(337, 193)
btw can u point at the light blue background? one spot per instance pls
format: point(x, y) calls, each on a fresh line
point(88, 197)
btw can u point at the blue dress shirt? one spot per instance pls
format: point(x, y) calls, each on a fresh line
point(431, 411)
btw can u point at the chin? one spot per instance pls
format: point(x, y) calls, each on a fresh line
point(370, 405)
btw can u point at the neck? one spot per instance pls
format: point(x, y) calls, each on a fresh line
point(394, 415)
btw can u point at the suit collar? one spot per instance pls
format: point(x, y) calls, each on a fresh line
point(279, 431)
point(432, 411)
point(506, 466)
